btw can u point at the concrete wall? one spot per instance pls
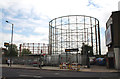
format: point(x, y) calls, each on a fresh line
point(117, 58)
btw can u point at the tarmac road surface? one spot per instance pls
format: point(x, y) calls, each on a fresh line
point(16, 72)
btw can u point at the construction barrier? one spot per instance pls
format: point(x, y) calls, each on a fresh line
point(60, 66)
point(68, 66)
point(78, 66)
point(63, 65)
point(73, 66)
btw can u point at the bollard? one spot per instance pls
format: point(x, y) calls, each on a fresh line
point(78, 67)
point(60, 66)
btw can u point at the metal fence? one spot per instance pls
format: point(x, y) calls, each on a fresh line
point(21, 60)
point(54, 60)
point(70, 58)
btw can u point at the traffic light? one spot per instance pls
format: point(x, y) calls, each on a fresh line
point(6, 44)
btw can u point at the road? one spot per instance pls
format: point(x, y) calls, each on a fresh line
point(14, 72)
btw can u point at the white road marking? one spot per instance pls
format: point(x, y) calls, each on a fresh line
point(31, 76)
point(38, 76)
point(25, 75)
point(56, 73)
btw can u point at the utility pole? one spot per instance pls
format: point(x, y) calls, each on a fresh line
point(11, 38)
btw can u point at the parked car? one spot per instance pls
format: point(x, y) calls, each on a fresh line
point(35, 63)
point(100, 61)
point(92, 60)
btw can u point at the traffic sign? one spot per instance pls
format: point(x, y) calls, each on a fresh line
point(6, 44)
point(71, 50)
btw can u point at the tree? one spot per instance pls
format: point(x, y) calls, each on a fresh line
point(25, 51)
point(86, 49)
point(11, 51)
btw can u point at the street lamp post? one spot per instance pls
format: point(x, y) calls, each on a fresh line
point(11, 37)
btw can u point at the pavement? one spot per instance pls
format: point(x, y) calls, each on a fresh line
point(93, 68)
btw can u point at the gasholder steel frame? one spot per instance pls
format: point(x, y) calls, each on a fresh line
point(69, 32)
point(35, 48)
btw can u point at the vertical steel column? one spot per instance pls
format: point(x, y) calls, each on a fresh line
point(96, 38)
point(61, 35)
point(91, 33)
point(51, 52)
point(77, 40)
point(66, 45)
point(57, 40)
point(84, 30)
point(43, 48)
point(23, 45)
point(55, 37)
point(33, 48)
point(52, 39)
point(66, 38)
point(48, 49)
point(49, 39)
point(28, 45)
point(69, 31)
point(91, 37)
point(87, 37)
point(82, 37)
point(99, 39)
point(20, 49)
point(38, 48)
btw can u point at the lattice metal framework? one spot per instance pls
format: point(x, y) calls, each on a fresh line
point(35, 48)
point(68, 32)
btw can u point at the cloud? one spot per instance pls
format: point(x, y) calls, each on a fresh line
point(42, 30)
point(18, 39)
point(31, 17)
point(4, 38)
point(92, 4)
point(26, 23)
point(30, 39)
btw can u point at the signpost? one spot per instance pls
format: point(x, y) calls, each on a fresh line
point(6, 44)
point(71, 50)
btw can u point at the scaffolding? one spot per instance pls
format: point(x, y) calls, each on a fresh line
point(69, 32)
